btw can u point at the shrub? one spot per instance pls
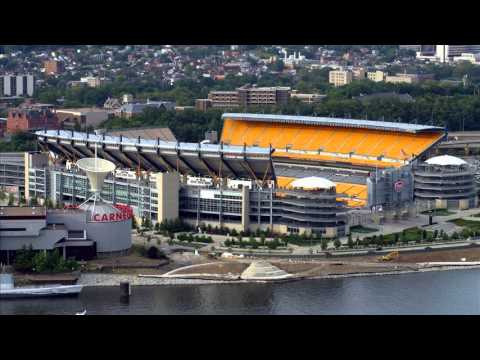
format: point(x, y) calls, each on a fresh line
point(153, 252)
point(139, 249)
point(53, 262)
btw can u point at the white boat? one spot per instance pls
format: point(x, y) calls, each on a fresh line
point(7, 289)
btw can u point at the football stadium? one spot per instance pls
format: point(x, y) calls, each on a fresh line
point(369, 161)
point(285, 173)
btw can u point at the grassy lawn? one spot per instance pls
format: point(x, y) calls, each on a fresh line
point(362, 229)
point(438, 212)
point(412, 234)
point(470, 224)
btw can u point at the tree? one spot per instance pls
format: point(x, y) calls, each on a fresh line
point(147, 223)
point(396, 238)
point(324, 244)
point(262, 240)
point(24, 259)
point(134, 223)
point(424, 234)
point(381, 240)
point(11, 199)
point(49, 204)
point(350, 241)
point(279, 65)
point(337, 243)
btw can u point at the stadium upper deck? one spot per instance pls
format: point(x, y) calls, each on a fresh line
point(330, 140)
point(157, 155)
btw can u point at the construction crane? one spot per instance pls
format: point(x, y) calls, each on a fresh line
point(389, 257)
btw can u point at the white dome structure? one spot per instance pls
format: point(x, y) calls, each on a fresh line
point(444, 160)
point(312, 183)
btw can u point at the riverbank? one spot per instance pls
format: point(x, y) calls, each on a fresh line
point(188, 269)
point(94, 280)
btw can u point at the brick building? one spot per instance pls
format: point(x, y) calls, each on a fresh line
point(31, 119)
point(53, 67)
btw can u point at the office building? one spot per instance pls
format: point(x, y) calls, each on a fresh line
point(359, 74)
point(12, 169)
point(340, 77)
point(408, 78)
point(376, 76)
point(203, 104)
point(249, 96)
point(307, 98)
point(468, 57)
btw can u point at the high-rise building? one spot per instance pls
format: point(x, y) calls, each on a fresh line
point(446, 53)
point(17, 85)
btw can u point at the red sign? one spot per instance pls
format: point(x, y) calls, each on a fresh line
point(398, 185)
point(125, 213)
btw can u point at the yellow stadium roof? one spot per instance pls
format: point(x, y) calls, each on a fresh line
point(348, 143)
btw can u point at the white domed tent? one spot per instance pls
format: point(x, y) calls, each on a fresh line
point(445, 160)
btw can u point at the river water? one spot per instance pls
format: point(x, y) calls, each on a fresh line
point(442, 292)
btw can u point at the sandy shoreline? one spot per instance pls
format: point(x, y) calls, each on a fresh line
point(97, 279)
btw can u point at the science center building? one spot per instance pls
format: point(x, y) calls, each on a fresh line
point(93, 228)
